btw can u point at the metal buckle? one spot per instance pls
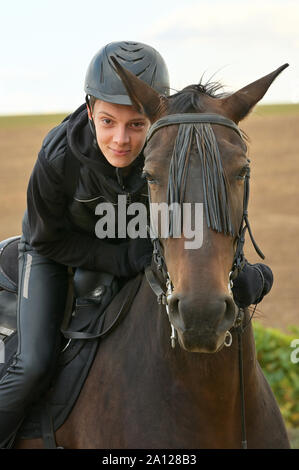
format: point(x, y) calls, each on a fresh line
point(228, 339)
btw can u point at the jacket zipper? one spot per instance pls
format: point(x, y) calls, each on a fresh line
point(121, 183)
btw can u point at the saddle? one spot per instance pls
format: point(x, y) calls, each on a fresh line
point(91, 293)
point(8, 286)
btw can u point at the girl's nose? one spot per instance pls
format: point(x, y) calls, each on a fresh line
point(121, 136)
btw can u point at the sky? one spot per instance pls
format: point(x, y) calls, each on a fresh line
point(46, 45)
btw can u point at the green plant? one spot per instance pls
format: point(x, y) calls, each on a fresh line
point(274, 355)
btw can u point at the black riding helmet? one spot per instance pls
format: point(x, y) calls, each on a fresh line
point(103, 82)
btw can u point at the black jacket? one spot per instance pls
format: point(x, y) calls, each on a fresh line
point(63, 229)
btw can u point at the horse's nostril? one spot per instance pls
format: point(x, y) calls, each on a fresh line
point(227, 319)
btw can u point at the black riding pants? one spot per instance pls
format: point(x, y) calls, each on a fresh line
point(42, 296)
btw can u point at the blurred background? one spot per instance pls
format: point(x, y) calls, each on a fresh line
point(45, 50)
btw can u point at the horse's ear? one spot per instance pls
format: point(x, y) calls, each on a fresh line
point(146, 100)
point(238, 105)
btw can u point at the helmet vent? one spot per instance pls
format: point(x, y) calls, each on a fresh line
point(154, 76)
point(142, 71)
point(128, 60)
point(102, 74)
point(131, 50)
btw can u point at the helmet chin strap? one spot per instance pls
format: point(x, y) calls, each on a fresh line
point(91, 121)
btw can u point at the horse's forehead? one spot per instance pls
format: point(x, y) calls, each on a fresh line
point(162, 143)
point(228, 139)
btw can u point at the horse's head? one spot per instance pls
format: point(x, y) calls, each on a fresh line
point(199, 162)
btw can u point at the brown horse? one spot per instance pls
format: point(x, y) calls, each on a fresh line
point(141, 393)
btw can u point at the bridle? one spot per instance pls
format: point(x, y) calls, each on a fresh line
point(163, 287)
point(239, 259)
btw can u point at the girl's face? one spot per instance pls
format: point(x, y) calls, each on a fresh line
point(120, 131)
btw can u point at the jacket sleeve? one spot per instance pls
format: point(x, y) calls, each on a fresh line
point(49, 232)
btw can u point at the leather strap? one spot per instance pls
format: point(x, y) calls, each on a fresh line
point(154, 283)
point(239, 259)
point(240, 330)
point(192, 118)
point(47, 428)
point(69, 300)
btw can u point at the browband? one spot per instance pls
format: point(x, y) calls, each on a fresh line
point(192, 118)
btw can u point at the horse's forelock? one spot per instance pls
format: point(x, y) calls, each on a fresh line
point(189, 99)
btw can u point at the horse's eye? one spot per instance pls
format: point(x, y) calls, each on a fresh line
point(242, 174)
point(150, 179)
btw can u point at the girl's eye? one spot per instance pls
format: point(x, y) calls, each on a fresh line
point(137, 125)
point(106, 121)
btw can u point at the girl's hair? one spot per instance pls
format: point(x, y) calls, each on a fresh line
point(92, 100)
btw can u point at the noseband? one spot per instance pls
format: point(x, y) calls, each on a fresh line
point(177, 176)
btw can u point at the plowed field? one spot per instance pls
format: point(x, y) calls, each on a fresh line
point(274, 201)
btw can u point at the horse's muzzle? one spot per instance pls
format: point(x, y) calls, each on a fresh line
point(201, 327)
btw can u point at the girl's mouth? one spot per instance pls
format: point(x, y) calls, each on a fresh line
point(120, 152)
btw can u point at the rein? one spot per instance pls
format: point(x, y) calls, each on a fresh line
point(177, 177)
